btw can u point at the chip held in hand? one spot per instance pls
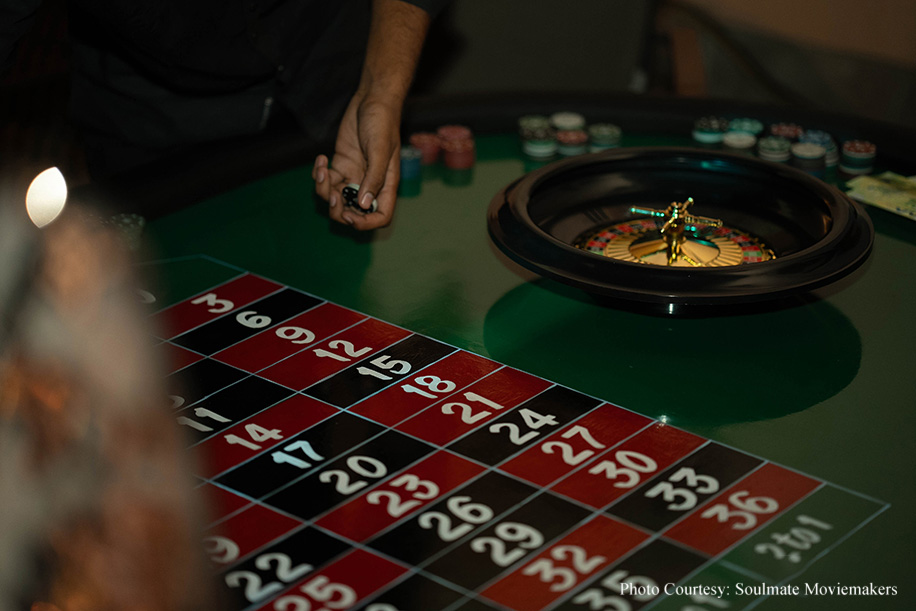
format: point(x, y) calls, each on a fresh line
point(351, 199)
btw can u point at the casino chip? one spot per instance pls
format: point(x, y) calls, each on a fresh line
point(822, 138)
point(429, 144)
point(351, 199)
point(739, 142)
point(448, 133)
point(459, 154)
point(858, 157)
point(567, 121)
point(458, 147)
point(411, 162)
point(709, 130)
point(747, 125)
point(603, 136)
point(809, 157)
point(774, 148)
point(538, 137)
point(572, 142)
point(789, 131)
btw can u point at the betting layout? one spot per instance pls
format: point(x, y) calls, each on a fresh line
point(350, 463)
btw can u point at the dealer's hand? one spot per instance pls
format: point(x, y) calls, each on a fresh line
point(367, 152)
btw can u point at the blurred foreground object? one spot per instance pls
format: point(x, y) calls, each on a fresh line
point(95, 500)
point(46, 197)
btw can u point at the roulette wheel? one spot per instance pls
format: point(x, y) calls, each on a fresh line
point(680, 231)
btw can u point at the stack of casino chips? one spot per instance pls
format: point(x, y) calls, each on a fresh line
point(539, 138)
point(822, 138)
point(411, 171)
point(411, 160)
point(429, 145)
point(857, 157)
point(709, 131)
point(603, 136)
point(739, 142)
point(774, 148)
point(571, 142)
point(458, 149)
point(742, 135)
point(566, 133)
point(571, 136)
point(809, 157)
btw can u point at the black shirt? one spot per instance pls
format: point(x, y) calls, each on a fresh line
point(178, 72)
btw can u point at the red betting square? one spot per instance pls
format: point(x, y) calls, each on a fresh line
point(340, 585)
point(577, 443)
point(401, 401)
point(622, 469)
point(400, 497)
point(177, 357)
point(258, 433)
point(289, 337)
point(746, 506)
point(481, 402)
point(211, 304)
point(335, 354)
point(246, 532)
point(219, 502)
point(560, 568)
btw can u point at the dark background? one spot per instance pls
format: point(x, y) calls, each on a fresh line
point(844, 56)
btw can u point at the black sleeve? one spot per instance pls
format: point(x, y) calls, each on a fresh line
point(15, 18)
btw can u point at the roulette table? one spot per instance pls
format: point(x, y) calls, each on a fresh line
point(764, 447)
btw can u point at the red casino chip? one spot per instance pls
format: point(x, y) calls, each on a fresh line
point(459, 153)
point(859, 147)
point(429, 145)
point(789, 131)
point(572, 137)
point(448, 133)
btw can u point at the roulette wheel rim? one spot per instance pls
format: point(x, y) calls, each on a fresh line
point(824, 235)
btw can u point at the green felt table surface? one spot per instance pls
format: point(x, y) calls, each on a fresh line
point(827, 387)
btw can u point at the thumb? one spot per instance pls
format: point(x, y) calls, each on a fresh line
point(379, 156)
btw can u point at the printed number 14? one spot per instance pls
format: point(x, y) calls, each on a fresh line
point(257, 433)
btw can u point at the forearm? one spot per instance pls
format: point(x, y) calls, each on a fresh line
point(366, 150)
point(395, 41)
